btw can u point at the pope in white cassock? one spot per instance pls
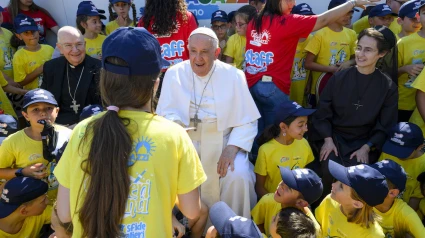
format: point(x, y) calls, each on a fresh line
point(213, 97)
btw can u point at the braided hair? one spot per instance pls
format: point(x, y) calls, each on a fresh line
point(113, 15)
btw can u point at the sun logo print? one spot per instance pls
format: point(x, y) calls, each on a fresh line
point(142, 150)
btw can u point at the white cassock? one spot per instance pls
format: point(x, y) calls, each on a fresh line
point(229, 117)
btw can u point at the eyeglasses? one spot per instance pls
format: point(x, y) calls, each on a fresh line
point(238, 24)
point(79, 45)
point(219, 27)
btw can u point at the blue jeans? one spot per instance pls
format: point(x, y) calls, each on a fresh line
point(266, 96)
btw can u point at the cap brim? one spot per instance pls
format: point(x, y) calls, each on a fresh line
point(36, 101)
point(304, 112)
point(7, 209)
point(101, 11)
point(288, 177)
point(386, 14)
point(219, 213)
point(26, 28)
point(165, 63)
point(401, 152)
point(103, 17)
point(339, 172)
point(219, 19)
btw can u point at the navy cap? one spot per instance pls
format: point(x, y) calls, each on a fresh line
point(219, 15)
point(90, 110)
point(20, 190)
point(405, 137)
point(409, 9)
point(336, 3)
point(231, 16)
point(91, 3)
point(87, 8)
point(38, 95)
point(115, 1)
point(288, 109)
point(230, 225)
point(381, 10)
point(144, 58)
point(303, 9)
point(1, 9)
point(23, 23)
point(368, 182)
point(8, 126)
point(393, 172)
point(304, 181)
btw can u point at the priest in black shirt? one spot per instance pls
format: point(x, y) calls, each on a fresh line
point(73, 77)
point(357, 107)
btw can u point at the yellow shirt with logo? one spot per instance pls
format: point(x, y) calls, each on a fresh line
point(273, 154)
point(412, 167)
point(400, 220)
point(94, 46)
point(330, 48)
point(6, 52)
point(334, 223)
point(410, 51)
point(299, 74)
point(161, 166)
point(5, 104)
point(235, 48)
point(31, 226)
point(416, 117)
point(19, 151)
point(25, 62)
point(267, 208)
point(363, 23)
point(112, 26)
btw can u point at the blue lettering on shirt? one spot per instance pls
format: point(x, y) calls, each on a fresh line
point(175, 48)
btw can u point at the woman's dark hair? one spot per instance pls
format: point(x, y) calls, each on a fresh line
point(13, 8)
point(247, 12)
point(162, 15)
point(81, 18)
point(106, 166)
point(273, 131)
point(272, 9)
point(113, 16)
point(386, 42)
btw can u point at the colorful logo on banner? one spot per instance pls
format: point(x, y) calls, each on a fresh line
point(203, 9)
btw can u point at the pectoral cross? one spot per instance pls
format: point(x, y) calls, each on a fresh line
point(195, 121)
point(75, 106)
point(357, 105)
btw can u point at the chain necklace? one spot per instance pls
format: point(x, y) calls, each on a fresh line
point(198, 106)
point(74, 105)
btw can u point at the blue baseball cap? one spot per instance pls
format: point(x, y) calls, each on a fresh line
point(38, 95)
point(409, 9)
point(87, 8)
point(336, 3)
point(304, 181)
point(381, 10)
point(91, 3)
point(230, 225)
point(393, 172)
point(288, 109)
point(18, 191)
point(303, 9)
point(90, 110)
point(1, 9)
point(23, 23)
point(219, 15)
point(368, 182)
point(144, 58)
point(405, 137)
point(231, 16)
point(115, 1)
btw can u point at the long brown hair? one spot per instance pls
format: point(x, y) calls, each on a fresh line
point(272, 9)
point(112, 16)
point(364, 216)
point(111, 145)
point(14, 10)
point(164, 15)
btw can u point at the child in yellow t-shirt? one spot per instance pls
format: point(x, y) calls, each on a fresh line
point(121, 8)
point(298, 188)
point(291, 222)
point(282, 144)
point(88, 22)
point(347, 211)
point(235, 46)
point(23, 208)
point(366, 22)
point(28, 61)
point(331, 49)
point(398, 219)
point(30, 152)
point(6, 51)
point(407, 19)
point(411, 58)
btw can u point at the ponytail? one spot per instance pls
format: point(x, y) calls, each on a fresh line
point(364, 216)
point(111, 13)
point(134, 14)
point(134, 10)
point(273, 131)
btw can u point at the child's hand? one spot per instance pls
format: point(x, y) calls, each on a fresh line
point(177, 226)
point(333, 68)
point(36, 171)
point(414, 69)
point(39, 70)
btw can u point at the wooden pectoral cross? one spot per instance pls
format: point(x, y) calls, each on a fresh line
point(75, 106)
point(358, 105)
point(195, 121)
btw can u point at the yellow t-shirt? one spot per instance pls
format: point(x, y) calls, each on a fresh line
point(412, 167)
point(112, 26)
point(331, 48)
point(299, 74)
point(19, 151)
point(399, 220)
point(421, 210)
point(416, 117)
point(25, 62)
point(235, 48)
point(161, 166)
point(334, 223)
point(410, 51)
point(267, 207)
point(94, 46)
point(32, 225)
point(363, 23)
point(5, 104)
point(273, 154)
point(6, 53)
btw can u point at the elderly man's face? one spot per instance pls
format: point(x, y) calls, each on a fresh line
point(202, 54)
point(73, 47)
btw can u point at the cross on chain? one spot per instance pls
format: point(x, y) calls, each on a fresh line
point(75, 106)
point(358, 105)
point(195, 121)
